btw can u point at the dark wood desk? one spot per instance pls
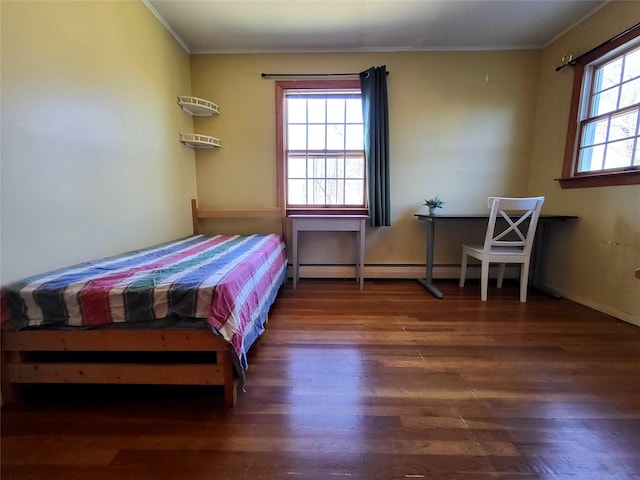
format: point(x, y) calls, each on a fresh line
point(536, 255)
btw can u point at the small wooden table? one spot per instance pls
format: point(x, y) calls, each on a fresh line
point(329, 223)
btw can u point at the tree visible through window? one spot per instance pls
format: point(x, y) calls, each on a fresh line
point(322, 146)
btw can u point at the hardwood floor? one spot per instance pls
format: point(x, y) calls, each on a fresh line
point(384, 383)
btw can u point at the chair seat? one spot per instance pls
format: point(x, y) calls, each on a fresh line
point(479, 249)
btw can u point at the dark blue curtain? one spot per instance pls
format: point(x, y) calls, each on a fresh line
point(375, 112)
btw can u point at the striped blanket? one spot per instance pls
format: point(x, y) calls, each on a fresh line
point(228, 281)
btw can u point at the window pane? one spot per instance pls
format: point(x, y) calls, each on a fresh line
point(316, 137)
point(297, 167)
point(340, 193)
point(335, 167)
point(595, 132)
point(605, 102)
point(591, 159)
point(354, 167)
point(632, 65)
point(630, 93)
point(335, 137)
point(623, 126)
point(317, 192)
point(332, 192)
point(316, 110)
point(332, 167)
point(354, 111)
point(297, 110)
point(608, 75)
point(353, 141)
point(618, 154)
point(353, 192)
point(341, 162)
point(335, 110)
point(297, 137)
point(315, 167)
point(297, 192)
point(636, 157)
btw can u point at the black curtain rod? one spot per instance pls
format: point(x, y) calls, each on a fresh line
point(281, 75)
point(573, 61)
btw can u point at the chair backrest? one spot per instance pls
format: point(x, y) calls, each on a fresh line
point(520, 217)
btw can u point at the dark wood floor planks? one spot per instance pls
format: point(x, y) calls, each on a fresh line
point(384, 383)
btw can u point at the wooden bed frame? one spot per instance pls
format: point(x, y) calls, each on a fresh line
point(44, 356)
point(100, 356)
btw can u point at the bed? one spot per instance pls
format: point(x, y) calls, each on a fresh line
point(183, 312)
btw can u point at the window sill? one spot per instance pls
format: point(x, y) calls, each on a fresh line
point(601, 180)
point(327, 211)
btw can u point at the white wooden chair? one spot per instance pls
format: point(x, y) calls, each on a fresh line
point(506, 243)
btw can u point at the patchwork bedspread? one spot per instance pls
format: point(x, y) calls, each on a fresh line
point(228, 281)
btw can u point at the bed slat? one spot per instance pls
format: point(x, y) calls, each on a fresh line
point(113, 341)
point(116, 373)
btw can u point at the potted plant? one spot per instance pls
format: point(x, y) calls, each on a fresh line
point(433, 203)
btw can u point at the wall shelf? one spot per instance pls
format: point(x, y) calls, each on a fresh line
point(198, 107)
point(196, 140)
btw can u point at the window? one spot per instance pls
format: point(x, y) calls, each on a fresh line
point(603, 141)
point(609, 138)
point(320, 145)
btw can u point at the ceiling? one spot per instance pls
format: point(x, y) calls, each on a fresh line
point(243, 26)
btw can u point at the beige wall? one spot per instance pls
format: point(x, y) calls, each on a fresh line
point(461, 127)
point(91, 162)
point(593, 261)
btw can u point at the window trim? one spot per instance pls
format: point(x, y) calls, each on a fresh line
point(281, 88)
point(597, 179)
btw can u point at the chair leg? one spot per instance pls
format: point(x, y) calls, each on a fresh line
point(524, 281)
point(500, 274)
point(463, 269)
point(484, 280)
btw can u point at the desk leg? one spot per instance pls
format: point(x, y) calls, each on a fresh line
point(537, 255)
point(427, 282)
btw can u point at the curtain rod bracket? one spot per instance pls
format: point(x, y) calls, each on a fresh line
point(570, 60)
point(567, 61)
